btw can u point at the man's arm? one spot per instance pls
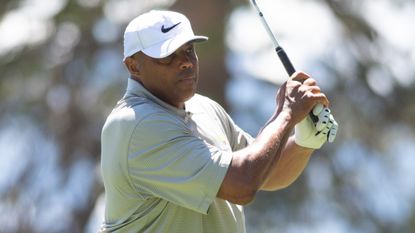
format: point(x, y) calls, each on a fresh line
point(251, 167)
point(296, 153)
point(291, 163)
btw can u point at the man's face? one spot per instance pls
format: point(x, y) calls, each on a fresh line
point(172, 79)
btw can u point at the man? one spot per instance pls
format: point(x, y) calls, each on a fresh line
point(173, 160)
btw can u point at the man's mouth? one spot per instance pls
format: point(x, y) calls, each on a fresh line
point(187, 78)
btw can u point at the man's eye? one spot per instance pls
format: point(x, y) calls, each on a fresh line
point(166, 60)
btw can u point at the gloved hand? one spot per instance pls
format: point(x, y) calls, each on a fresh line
point(313, 135)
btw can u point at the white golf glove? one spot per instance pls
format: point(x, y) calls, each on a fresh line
point(313, 135)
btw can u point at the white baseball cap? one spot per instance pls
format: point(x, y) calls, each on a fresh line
point(158, 34)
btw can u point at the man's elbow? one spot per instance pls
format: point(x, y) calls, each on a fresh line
point(242, 199)
point(241, 192)
point(276, 185)
point(240, 184)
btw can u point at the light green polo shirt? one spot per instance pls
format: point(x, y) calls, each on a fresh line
point(163, 166)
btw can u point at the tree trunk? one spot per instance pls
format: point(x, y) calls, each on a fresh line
point(208, 18)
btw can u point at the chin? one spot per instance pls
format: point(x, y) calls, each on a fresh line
point(186, 91)
point(189, 91)
point(189, 96)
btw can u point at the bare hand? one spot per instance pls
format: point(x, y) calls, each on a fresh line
point(301, 94)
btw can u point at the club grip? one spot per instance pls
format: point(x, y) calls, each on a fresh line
point(285, 61)
point(291, 70)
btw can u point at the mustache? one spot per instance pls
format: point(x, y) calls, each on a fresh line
point(186, 73)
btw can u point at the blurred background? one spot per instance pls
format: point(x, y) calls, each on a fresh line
point(61, 72)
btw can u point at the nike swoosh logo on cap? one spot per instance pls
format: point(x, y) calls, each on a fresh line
point(165, 30)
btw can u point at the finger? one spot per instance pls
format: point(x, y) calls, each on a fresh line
point(323, 119)
point(281, 90)
point(312, 89)
point(320, 98)
point(280, 98)
point(333, 132)
point(317, 109)
point(299, 76)
point(310, 82)
point(329, 125)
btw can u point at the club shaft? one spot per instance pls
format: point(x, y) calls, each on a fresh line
point(280, 51)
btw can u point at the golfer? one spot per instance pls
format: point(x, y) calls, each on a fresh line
point(174, 161)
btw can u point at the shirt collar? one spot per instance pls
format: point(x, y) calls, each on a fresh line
point(135, 88)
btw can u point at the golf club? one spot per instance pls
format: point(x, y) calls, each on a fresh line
point(283, 57)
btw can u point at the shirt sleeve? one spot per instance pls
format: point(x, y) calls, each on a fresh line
point(166, 160)
point(238, 138)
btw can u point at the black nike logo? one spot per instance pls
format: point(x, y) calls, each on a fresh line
point(165, 30)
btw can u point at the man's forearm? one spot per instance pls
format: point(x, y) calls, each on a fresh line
point(251, 166)
point(271, 149)
point(291, 163)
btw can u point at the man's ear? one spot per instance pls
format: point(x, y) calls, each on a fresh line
point(133, 67)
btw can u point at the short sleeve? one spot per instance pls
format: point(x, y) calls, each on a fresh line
point(238, 138)
point(167, 161)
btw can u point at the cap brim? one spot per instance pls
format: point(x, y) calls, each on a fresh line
point(167, 47)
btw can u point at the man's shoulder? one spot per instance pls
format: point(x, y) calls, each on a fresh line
point(133, 110)
point(202, 101)
point(201, 98)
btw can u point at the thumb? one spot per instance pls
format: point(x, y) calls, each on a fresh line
point(317, 109)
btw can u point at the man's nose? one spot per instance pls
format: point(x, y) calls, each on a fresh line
point(185, 62)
